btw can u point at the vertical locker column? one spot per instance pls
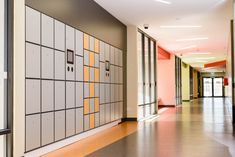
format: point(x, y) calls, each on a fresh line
point(102, 82)
point(32, 82)
point(120, 81)
point(112, 85)
point(47, 117)
point(60, 84)
point(70, 80)
point(79, 82)
point(107, 84)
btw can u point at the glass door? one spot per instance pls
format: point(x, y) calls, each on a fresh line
point(207, 87)
point(218, 87)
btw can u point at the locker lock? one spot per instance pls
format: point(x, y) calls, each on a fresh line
point(68, 68)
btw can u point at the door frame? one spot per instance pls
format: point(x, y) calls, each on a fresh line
point(212, 88)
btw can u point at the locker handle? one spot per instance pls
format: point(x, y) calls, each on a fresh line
point(68, 68)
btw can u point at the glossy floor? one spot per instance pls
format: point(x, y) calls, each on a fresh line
point(201, 128)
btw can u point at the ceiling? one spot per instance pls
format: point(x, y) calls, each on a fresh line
point(205, 22)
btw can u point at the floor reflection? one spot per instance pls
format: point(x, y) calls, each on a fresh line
point(201, 128)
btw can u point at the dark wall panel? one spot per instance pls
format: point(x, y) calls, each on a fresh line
point(87, 16)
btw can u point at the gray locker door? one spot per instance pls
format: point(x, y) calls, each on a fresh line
point(102, 72)
point(79, 68)
point(97, 61)
point(86, 90)
point(59, 65)
point(59, 125)
point(79, 43)
point(59, 35)
point(107, 113)
point(102, 51)
point(97, 90)
point(97, 119)
point(116, 111)
point(121, 110)
point(47, 128)
point(79, 94)
point(47, 31)
point(112, 55)
point(92, 105)
point(112, 74)
point(47, 63)
point(59, 95)
point(70, 94)
point(116, 93)
point(47, 95)
point(107, 93)
point(86, 57)
point(32, 132)
point(70, 122)
point(33, 60)
point(116, 57)
point(112, 112)
point(33, 25)
point(79, 120)
point(92, 43)
point(86, 122)
point(112, 93)
point(107, 52)
point(120, 58)
point(33, 100)
point(102, 93)
point(92, 74)
point(102, 114)
point(120, 92)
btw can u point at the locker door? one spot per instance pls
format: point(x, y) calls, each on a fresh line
point(107, 113)
point(112, 55)
point(107, 63)
point(87, 122)
point(70, 94)
point(70, 122)
point(47, 95)
point(32, 132)
point(59, 65)
point(102, 93)
point(33, 100)
point(112, 112)
point(97, 119)
point(33, 60)
point(79, 43)
point(102, 51)
point(47, 31)
point(59, 35)
point(59, 95)
point(59, 125)
point(47, 63)
point(107, 93)
point(33, 26)
point(102, 114)
point(79, 94)
point(79, 68)
point(47, 128)
point(79, 120)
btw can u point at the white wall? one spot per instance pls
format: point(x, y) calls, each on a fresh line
point(132, 72)
point(166, 81)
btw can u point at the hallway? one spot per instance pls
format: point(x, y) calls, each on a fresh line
point(201, 128)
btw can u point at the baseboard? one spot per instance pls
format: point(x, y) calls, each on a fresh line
point(130, 119)
point(186, 100)
point(166, 106)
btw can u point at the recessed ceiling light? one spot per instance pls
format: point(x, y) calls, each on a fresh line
point(199, 53)
point(181, 26)
point(163, 1)
point(188, 47)
point(192, 39)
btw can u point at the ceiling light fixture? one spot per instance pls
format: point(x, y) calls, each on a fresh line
point(183, 26)
point(163, 1)
point(188, 47)
point(192, 39)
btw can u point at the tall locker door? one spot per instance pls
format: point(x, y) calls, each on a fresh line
point(153, 76)
point(147, 76)
point(70, 53)
point(107, 63)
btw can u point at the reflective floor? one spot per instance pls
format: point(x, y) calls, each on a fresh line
point(201, 128)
